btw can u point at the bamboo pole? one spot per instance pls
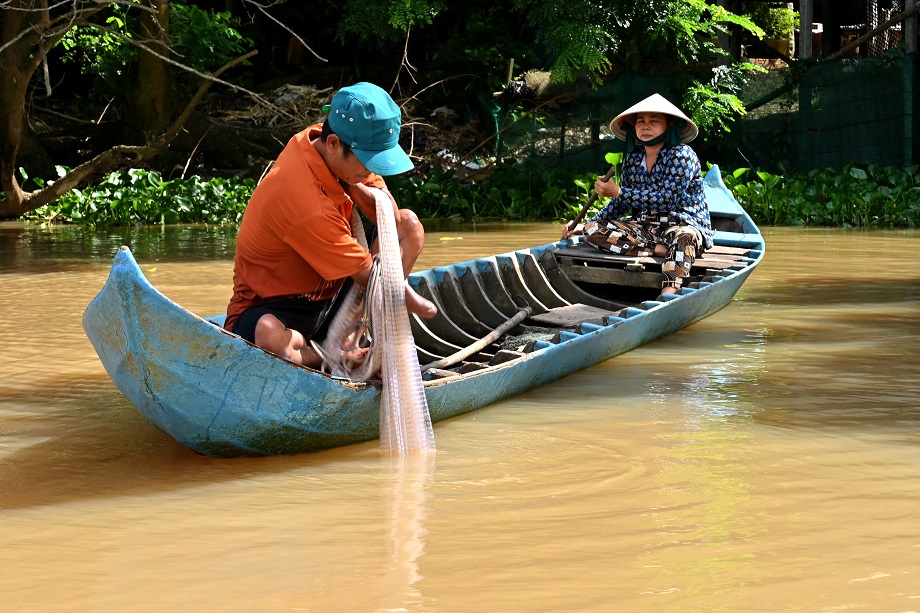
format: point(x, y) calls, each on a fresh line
point(873, 32)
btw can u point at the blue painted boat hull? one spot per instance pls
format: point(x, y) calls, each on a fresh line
point(223, 397)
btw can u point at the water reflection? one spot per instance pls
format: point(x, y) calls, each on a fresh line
point(705, 505)
point(409, 477)
point(58, 248)
point(67, 248)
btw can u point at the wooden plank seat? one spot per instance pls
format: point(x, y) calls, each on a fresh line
point(584, 263)
point(570, 316)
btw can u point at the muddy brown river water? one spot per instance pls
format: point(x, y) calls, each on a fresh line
point(764, 459)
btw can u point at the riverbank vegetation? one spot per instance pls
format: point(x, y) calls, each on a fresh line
point(113, 102)
point(858, 196)
point(127, 84)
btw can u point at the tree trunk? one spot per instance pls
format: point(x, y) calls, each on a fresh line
point(16, 68)
point(151, 104)
point(27, 32)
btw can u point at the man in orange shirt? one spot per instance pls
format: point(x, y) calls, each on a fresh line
point(296, 246)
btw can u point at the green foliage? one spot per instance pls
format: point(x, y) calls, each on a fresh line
point(512, 191)
point(579, 49)
point(143, 197)
point(615, 158)
point(860, 196)
point(202, 40)
point(477, 48)
point(589, 37)
point(580, 34)
point(690, 28)
point(716, 104)
point(408, 13)
point(102, 51)
point(722, 18)
point(857, 196)
point(775, 18)
point(205, 40)
point(365, 19)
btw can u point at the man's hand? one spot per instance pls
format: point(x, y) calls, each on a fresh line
point(365, 197)
point(415, 303)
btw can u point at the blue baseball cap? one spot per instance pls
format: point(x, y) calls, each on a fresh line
point(365, 118)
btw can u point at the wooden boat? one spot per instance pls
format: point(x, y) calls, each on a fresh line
point(570, 306)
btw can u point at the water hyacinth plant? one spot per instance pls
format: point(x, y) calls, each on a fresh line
point(858, 195)
point(142, 197)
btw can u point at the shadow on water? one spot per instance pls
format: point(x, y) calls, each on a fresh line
point(82, 439)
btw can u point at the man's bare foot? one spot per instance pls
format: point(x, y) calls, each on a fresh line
point(419, 305)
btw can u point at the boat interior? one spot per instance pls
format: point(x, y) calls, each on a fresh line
point(497, 309)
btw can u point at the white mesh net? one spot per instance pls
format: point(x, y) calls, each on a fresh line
point(405, 424)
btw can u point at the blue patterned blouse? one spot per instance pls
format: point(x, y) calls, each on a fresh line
point(674, 185)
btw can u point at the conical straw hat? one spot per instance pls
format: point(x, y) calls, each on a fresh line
point(656, 103)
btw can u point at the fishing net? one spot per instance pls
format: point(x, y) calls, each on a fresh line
point(405, 424)
point(370, 334)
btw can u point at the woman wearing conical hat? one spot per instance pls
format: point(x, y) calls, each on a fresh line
point(659, 207)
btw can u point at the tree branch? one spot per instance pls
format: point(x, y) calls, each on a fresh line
point(208, 77)
point(202, 90)
point(404, 62)
point(8, 6)
point(287, 29)
point(19, 202)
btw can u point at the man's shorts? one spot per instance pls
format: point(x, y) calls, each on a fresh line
point(309, 317)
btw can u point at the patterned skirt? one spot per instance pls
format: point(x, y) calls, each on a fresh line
point(640, 236)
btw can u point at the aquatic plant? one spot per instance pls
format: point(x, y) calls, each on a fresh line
point(858, 195)
point(139, 196)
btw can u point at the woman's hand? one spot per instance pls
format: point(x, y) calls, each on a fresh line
point(566, 232)
point(607, 189)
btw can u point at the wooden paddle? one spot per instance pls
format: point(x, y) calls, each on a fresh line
point(591, 199)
